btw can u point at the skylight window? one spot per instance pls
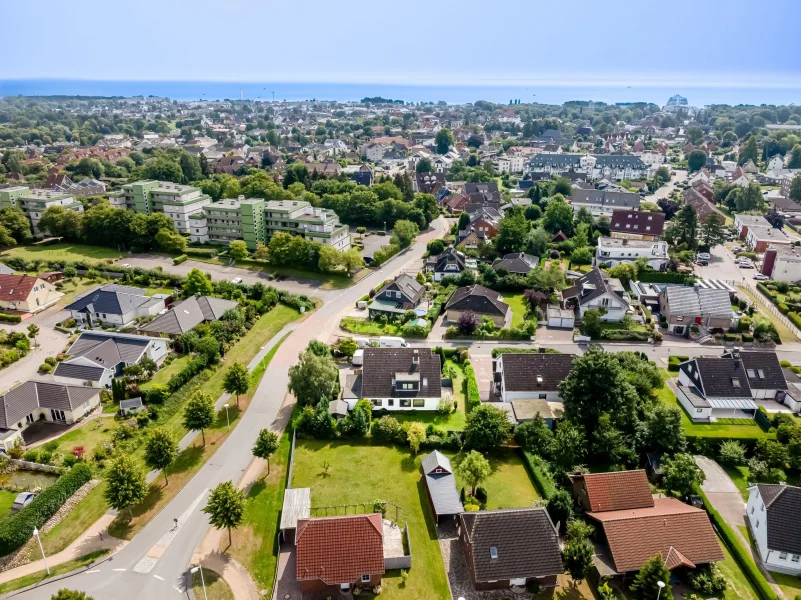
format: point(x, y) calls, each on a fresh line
point(735, 381)
point(761, 373)
point(751, 373)
point(493, 552)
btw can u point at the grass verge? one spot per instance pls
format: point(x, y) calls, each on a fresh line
point(216, 588)
point(38, 577)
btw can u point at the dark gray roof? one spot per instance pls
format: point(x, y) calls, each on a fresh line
point(109, 349)
point(524, 539)
point(451, 256)
point(79, 372)
point(478, 299)
point(720, 377)
point(518, 263)
point(353, 387)
point(441, 484)
point(564, 161)
point(130, 403)
point(18, 403)
point(381, 365)
point(535, 372)
point(763, 370)
point(591, 285)
point(189, 314)
point(406, 284)
point(783, 505)
point(111, 299)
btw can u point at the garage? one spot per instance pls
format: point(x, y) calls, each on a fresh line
point(561, 317)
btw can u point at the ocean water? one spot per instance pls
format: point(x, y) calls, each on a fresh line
point(544, 94)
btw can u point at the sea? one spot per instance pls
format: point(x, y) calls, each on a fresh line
point(346, 92)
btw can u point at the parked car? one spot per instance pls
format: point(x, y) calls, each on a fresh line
point(738, 249)
point(125, 266)
point(702, 263)
point(747, 265)
point(761, 277)
point(358, 358)
point(704, 255)
point(386, 341)
point(236, 280)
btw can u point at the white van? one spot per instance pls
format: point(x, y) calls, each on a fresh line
point(361, 342)
point(358, 358)
point(386, 341)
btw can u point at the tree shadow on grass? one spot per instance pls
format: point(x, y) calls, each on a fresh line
point(187, 459)
point(409, 463)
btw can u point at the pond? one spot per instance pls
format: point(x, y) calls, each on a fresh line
point(28, 479)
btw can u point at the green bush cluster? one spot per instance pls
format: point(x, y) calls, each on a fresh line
point(543, 480)
point(10, 318)
point(192, 368)
point(385, 253)
point(16, 529)
point(180, 259)
point(209, 252)
point(473, 397)
point(674, 361)
point(625, 335)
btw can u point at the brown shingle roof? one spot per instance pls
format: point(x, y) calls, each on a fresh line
point(619, 490)
point(339, 549)
point(669, 527)
point(16, 288)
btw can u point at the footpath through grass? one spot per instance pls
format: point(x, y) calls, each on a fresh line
point(38, 577)
point(362, 472)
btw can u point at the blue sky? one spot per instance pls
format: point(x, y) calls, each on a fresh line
point(715, 43)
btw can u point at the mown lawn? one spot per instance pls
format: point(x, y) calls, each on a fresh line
point(791, 586)
point(368, 327)
point(254, 542)
point(80, 518)
point(6, 500)
point(455, 421)
point(518, 305)
point(33, 578)
point(509, 485)
point(739, 586)
point(361, 472)
point(215, 588)
point(91, 434)
point(164, 374)
point(739, 475)
point(71, 252)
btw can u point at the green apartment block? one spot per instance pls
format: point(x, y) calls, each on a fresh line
point(230, 220)
point(34, 202)
point(301, 218)
point(179, 202)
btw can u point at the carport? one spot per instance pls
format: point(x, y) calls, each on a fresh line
point(561, 317)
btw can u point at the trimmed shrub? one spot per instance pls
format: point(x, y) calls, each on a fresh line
point(201, 252)
point(539, 473)
point(17, 529)
point(673, 362)
point(473, 397)
point(625, 334)
point(180, 259)
point(10, 318)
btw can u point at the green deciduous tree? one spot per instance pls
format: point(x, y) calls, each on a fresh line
point(569, 445)
point(65, 594)
point(534, 436)
point(646, 586)
point(347, 346)
point(424, 165)
point(404, 233)
point(560, 507)
point(732, 453)
point(33, 331)
point(558, 216)
point(170, 241)
point(512, 233)
point(226, 507)
point(474, 469)
point(197, 282)
point(313, 377)
point(681, 474)
point(199, 413)
point(696, 160)
point(416, 436)
point(265, 446)
point(237, 380)
point(487, 428)
point(664, 431)
point(125, 483)
point(578, 559)
point(161, 450)
point(238, 250)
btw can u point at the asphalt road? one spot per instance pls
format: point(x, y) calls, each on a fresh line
point(129, 575)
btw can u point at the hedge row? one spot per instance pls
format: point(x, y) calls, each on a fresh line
point(180, 259)
point(385, 253)
point(16, 529)
point(10, 318)
point(496, 352)
point(473, 397)
point(625, 335)
point(740, 554)
point(664, 277)
point(673, 362)
point(542, 479)
point(794, 317)
point(192, 368)
point(201, 251)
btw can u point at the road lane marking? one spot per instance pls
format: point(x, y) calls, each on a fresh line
point(94, 571)
point(159, 578)
point(180, 591)
point(120, 569)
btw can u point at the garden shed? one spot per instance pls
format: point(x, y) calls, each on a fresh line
point(297, 505)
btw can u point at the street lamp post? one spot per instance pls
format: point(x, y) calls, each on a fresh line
point(44, 558)
point(661, 585)
point(195, 570)
point(226, 417)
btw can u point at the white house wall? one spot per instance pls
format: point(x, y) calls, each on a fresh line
point(755, 510)
point(428, 404)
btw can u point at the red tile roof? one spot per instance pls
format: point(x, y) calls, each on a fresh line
point(682, 534)
point(618, 490)
point(16, 288)
point(339, 549)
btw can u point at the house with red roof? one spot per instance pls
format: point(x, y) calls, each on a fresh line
point(26, 293)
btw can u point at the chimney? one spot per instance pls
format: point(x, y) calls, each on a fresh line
point(416, 358)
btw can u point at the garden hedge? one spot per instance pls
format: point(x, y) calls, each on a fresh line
point(10, 318)
point(542, 479)
point(673, 362)
point(385, 253)
point(741, 555)
point(496, 352)
point(201, 251)
point(16, 529)
point(192, 368)
point(180, 259)
point(473, 397)
point(664, 277)
point(625, 335)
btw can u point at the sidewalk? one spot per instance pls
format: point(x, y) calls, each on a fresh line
point(88, 542)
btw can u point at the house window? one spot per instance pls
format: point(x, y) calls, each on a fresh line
point(796, 557)
point(757, 524)
point(405, 403)
point(365, 579)
point(390, 402)
point(752, 509)
point(699, 410)
point(418, 403)
point(782, 556)
point(57, 415)
point(376, 401)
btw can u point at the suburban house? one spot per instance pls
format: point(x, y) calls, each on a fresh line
point(710, 388)
point(338, 554)
point(595, 290)
point(396, 297)
point(772, 512)
point(759, 239)
point(428, 183)
point(481, 301)
point(116, 305)
point(26, 293)
point(792, 397)
point(742, 223)
point(441, 485)
point(636, 526)
point(530, 382)
point(636, 225)
point(764, 374)
point(398, 379)
point(702, 207)
point(782, 263)
point(188, 314)
point(510, 548)
point(97, 357)
point(684, 306)
point(469, 239)
point(516, 264)
point(612, 251)
point(604, 203)
point(35, 401)
point(448, 264)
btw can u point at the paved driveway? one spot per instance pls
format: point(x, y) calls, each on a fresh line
point(50, 341)
point(722, 493)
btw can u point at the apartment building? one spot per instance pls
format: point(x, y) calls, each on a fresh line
point(613, 251)
point(301, 218)
point(782, 263)
point(178, 202)
point(34, 202)
point(230, 220)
